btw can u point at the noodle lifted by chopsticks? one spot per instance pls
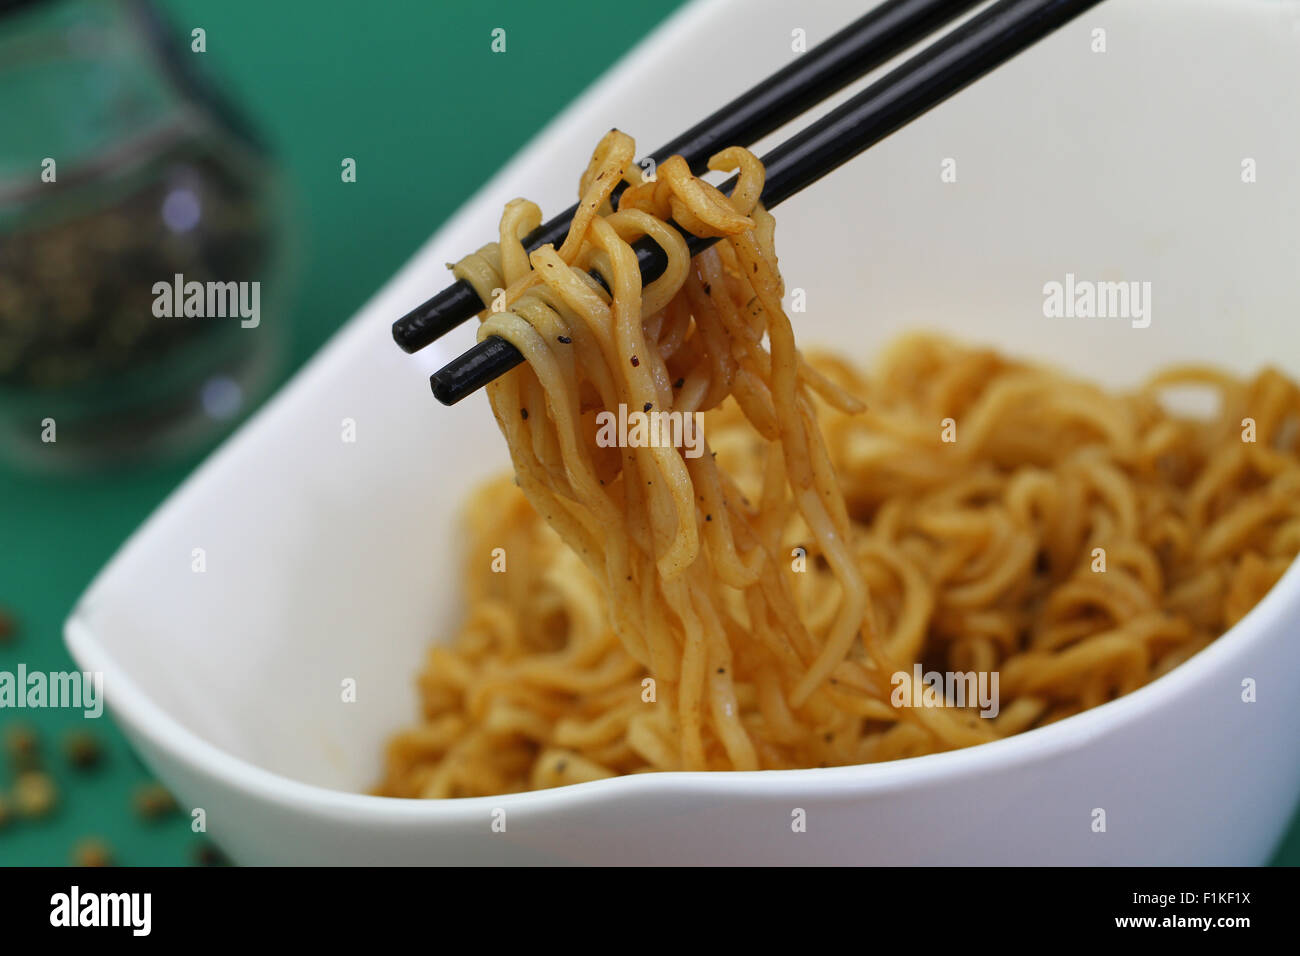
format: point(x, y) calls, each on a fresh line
point(748, 608)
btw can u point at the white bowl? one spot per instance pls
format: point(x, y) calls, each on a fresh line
point(327, 560)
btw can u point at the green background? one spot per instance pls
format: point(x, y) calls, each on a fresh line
point(413, 92)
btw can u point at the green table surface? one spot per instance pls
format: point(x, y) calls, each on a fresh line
point(413, 92)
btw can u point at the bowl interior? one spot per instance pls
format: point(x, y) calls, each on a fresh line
point(296, 560)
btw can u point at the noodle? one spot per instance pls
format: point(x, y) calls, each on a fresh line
point(763, 605)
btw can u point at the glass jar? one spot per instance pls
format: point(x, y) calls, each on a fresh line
point(129, 191)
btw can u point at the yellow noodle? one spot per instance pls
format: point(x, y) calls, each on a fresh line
point(751, 608)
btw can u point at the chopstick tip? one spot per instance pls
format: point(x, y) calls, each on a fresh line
point(443, 390)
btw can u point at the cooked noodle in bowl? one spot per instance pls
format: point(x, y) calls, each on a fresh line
point(782, 600)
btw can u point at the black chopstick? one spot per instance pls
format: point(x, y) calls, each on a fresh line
point(855, 51)
point(940, 70)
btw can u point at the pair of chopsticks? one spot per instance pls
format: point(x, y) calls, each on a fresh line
point(943, 68)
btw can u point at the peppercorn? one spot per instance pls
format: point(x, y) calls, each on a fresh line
point(208, 854)
point(82, 749)
point(153, 801)
point(22, 746)
point(34, 794)
point(92, 852)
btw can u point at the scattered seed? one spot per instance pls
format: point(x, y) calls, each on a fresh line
point(23, 747)
point(564, 339)
point(207, 854)
point(153, 801)
point(92, 852)
point(635, 361)
point(34, 794)
point(82, 749)
point(524, 413)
